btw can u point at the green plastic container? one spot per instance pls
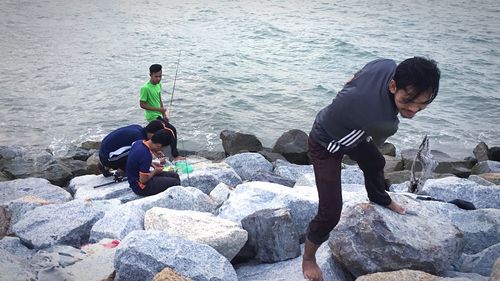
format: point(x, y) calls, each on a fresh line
point(183, 167)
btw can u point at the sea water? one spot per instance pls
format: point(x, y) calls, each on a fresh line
point(71, 70)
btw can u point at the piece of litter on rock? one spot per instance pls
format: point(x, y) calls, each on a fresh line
point(111, 244)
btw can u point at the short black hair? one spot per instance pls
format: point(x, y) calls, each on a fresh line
point(162, 137)
point(421, 74)
point(155, 68)
point(154, 126)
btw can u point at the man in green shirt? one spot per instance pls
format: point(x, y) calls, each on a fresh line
point(150, 99)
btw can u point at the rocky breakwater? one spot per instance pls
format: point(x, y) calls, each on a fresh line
point(244, 217)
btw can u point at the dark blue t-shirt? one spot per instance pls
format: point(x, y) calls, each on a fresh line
point(117, 144)
point(139, 161)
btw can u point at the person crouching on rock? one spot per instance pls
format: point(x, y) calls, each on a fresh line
point(144, 176)
point(362, 115)
point(114, 148)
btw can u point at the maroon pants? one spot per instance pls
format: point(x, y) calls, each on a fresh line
point(327, 168)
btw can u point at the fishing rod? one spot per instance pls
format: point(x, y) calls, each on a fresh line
point(117, 179)
point(175, 79)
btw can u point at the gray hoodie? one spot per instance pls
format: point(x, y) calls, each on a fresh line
point(363, 109)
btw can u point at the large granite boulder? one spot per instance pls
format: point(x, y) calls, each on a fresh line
point(307, 179)
point(407, 274)
point(41, 188)
point(387, 149)
point(393, 163)
point(87, 188)
point(371, 238)
point(250, 197)
point(167, 274)
point(482, 262)
point(271, 156)
point(481, 152)
point(248, 164)
point(14, 268)
point(49, 262)
point(451, 188)
point(207, 179)
point(235, 142)
point(293, 146)
point(67, 223)
point(480, 180)
point(178, 198)
point(494, 153)
point(118, 223)
point(225, 236)
point(266, 176)
point(491, 177)
point(19, 207)
point(272, 235)
point(291, 171)
point(221, 193)
point(23, 162)
point(487, 166)
point(142, 254)
point(291, 270)
point(96, 264)
point(14, 246)
point(481, 228)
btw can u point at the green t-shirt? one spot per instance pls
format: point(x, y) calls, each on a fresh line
point(151, 94)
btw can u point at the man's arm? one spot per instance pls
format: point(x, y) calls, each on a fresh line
point(146, 106)
point(145, 177)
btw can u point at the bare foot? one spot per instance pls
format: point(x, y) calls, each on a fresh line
point(311, 270)
point(396, 208)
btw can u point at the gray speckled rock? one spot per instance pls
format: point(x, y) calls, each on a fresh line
point(207, 179)
point(291, 270)
point(479, 180)
point(271, 177)
point(234, 142)
point(178, 198)
point(352, 175)
point(487, 166)
point(83, 188)
point(67, 223)
point(463, 276)
point(225, 236)
point(450, 188)
point(291, 171)
point(272, 235)
point(117, 223)
point(19, 207)
point(482, 262)
point(221, 193)
point(13, 268)
point(293, 146)
point(254, 196)
point(371, 238)
point(307, 179)
point(96, 264)
point(407, 274)
point(41, 188)
point(247, 164)
point(142, 254)
point(14, 246)
point(481, 228)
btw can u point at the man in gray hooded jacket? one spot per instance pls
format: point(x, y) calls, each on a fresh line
point(361, 117)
